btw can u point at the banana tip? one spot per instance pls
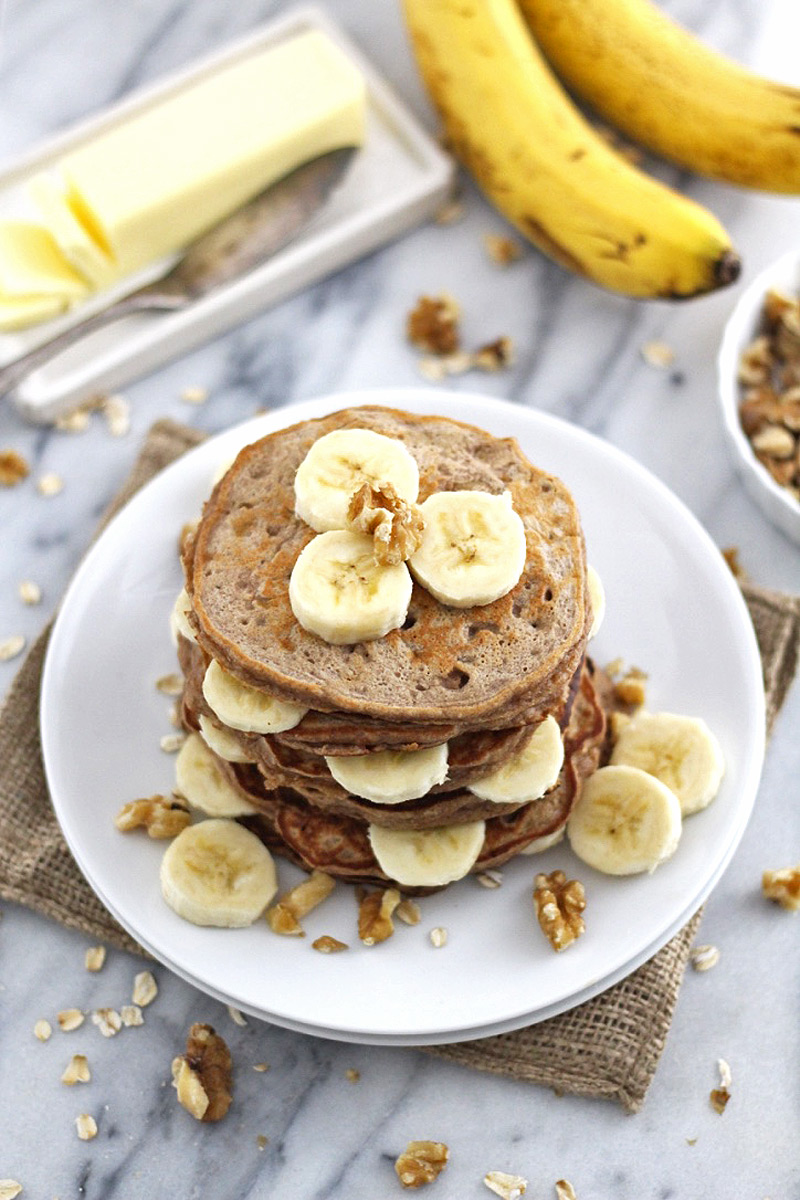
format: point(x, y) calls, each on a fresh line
point(727, 268)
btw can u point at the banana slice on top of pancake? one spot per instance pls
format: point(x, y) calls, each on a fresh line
point(428, 857)
point(391, 776)
point(179, 618)
point(473, 547)
point(597, 596)
point(339, 463)
point(246, 708)
point(339, 591)
point(530, 773)
point(218, 873)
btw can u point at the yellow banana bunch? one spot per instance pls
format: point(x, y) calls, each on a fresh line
point(513, 126)
point(659, 85)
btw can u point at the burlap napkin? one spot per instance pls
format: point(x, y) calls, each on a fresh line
point(608, 1047)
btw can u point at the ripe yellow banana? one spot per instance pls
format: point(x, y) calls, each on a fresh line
point(661, 86)
point(512, 125)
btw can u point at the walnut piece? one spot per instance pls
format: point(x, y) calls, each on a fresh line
point(284, 916)
point(421, 1162)
point(161, 816)
point(559, 905)
point(494, 356)
point(202, 1076)
point(13, 468)
point(375, 915)
point(783, 887)
point(502, 249)
point(720, 1096)
point(432, 324)
point(395, 525)
point(565, 1190)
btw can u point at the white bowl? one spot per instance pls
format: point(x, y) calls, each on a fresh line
point(775, 501)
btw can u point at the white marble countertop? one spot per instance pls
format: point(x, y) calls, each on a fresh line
point(578, 357)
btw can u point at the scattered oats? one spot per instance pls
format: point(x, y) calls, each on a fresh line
point(42, 1030)
point(194, 395)
point(131, 1014)
point(421, 1162)
point(49, 484)
point(352, 1075)
point(170, 685)
point(117, 413)
point(107, 1020)
point(451, 211)
point(658, 354)
point(95, 957)
point(565, 1190)
point(77, 1070)
point(329, 945)
point(783, 887)
point(490, 879)
point(720, 1096)
point(236, 1016)
point(172, 742)
point(703, 958)
point(75, 421)
point(262, 1141)
point(29, 592)
point(691, 1141)
point(432, 369)
point(145, 988)
point(408, 912)
point(261, 1067)
point(86, 1126)
point(502, 250)
point(11, 647)
point(13, 468)
point(9, 1188)
point(508, 1187)
point(174, 715)
point(70, 1018)
point(438, 936)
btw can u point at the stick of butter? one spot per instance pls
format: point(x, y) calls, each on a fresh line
point(31, 264)
point(73, 240)
point(155, 182)
point(17, 312)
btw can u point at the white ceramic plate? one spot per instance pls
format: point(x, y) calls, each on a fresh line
point(673, 609)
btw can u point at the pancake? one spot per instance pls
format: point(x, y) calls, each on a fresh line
point(339, 845)
point(446, 666)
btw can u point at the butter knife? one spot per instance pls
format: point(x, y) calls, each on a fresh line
point(232, 248)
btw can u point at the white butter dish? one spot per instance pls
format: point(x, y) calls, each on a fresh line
point(399, 177)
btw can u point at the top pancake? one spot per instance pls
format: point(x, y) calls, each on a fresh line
point(445, 664)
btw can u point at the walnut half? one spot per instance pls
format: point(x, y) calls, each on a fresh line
point(161, 816)
point(375, 915)
point(202, 1076)
point(783, 887)
point(394, 525)
point(559, 905)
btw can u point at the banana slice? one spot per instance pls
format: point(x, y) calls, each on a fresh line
point(223, 467)
point(391, 776)
point(222, 742)
point(339, 463)
point(199, 780)
point(218, 873)
point(178, 619)
point(427, 857)
point(246, 708)
point(338, 590)
point(625, 821)
point(473, 547)
point(680, 751)
point(597, 596)
point(530, 773)
point(545, 842)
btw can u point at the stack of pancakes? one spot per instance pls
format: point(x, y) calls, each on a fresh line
point(480, 679)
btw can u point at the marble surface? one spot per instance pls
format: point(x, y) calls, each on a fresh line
point(578, 356)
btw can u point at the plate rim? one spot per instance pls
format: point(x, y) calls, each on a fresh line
point(424, 400)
